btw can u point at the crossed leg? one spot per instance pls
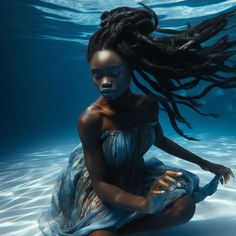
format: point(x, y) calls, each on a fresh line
point(181, 211)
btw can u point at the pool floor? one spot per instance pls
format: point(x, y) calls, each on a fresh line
point(26, 181)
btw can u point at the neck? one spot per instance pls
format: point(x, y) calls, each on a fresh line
point(119, 104)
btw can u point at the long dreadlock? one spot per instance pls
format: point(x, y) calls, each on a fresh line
point(171, 59)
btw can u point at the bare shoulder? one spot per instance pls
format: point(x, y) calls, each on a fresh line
point(90, 121)
point(89, 124)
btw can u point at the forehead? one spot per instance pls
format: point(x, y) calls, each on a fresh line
point(105, 58)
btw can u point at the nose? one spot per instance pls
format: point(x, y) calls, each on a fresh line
point(106, 83)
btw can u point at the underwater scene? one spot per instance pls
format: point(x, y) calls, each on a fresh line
point(47, 83)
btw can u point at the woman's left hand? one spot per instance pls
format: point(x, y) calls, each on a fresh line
point(218, 170)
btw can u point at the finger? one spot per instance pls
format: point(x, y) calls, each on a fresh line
point(173, 173)
point(231, 173)
point(164, 184)
point(225, 179)
point(158, 191)
point(228, 171)
point(223, 175)
point(221, 179)
point(171, 180)
point(157, 183)
point(228, 177)
point(226, 174)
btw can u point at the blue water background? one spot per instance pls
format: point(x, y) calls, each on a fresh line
point(45, 85)
point(46, 81)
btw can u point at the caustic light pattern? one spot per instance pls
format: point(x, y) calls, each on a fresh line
point(26, 182)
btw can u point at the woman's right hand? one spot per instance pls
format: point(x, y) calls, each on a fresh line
point(159, 187)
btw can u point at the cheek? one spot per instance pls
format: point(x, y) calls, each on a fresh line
point(126, 81)
point(95, 82)
point(123, 84)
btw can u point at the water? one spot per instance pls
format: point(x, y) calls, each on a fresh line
point(46, 84)
point(26, 182)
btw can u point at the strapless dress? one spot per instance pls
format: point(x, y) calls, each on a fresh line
point(75, 207)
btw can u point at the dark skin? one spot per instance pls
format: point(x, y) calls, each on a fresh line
point(118, 110)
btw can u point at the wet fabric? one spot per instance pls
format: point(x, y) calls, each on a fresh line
point(76, 209)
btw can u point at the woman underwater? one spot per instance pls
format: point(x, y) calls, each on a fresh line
point(107, 187)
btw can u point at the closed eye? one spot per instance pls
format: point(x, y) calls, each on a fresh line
point(97, 76)
point(113, 71)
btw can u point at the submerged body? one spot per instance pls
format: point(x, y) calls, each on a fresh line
point(108, 187)
point(78, 210)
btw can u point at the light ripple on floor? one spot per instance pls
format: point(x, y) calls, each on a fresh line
point(26, 182)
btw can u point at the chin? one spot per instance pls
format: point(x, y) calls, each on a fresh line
point(113, 97)
point(109, 98)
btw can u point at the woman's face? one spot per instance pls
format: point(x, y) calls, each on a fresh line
point(111, 74)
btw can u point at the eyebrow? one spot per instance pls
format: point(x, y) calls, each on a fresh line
point(107, 68)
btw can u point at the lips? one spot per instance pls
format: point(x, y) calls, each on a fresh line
point(107, 92)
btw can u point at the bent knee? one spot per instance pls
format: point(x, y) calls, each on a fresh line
point(184, 208)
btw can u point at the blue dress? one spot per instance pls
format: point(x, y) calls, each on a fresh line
point(76, 209)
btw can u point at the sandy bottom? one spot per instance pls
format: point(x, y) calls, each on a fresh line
point(26, 182)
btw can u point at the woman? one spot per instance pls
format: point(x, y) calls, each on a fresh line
point(108, 188)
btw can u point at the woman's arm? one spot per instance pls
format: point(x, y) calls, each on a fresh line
point(169, 146)
point(173, 148)
point(89, 131)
